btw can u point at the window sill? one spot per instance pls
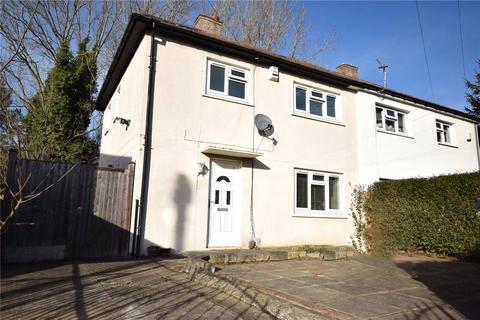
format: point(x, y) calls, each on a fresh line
point(447, 145)
point(395, 133)
point(325, 214)
point(335, 122)
point(226, 98)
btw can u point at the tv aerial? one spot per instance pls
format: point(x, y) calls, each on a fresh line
point(384, 68)
point(265, 127)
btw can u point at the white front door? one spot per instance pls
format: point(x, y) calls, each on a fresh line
point(224, 214)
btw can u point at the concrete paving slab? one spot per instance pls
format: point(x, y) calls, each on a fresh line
point(368, 287)
point(132, 289)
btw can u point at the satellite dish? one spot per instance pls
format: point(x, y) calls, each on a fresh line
point(264, 125)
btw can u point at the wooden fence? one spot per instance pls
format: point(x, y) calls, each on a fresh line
point(79, 211)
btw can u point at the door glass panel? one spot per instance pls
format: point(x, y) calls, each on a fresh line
point(223, 178)
point(217, 196)
point(228, 197)
point(318, 197)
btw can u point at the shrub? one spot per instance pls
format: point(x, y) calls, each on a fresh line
point(434, 215)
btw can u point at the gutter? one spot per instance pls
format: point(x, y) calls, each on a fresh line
point(147, 145)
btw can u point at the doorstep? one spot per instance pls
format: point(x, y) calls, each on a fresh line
point(229, 256)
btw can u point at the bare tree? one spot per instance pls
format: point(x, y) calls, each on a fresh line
point(17, 194)
point(280, 26)
point(44, 24)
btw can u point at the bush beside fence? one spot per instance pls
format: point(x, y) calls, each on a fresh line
point(434, 215)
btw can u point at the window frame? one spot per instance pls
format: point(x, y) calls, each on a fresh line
point(309, 91)
point(228, 76)
point(327, 212)
point(442, 130)
point(395, 117)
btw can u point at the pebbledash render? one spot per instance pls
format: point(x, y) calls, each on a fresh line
point(206, 178)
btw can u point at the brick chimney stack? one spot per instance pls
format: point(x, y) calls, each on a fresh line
point(211, 25)
point(348, 70)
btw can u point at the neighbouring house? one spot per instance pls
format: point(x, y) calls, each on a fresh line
point(182, 104)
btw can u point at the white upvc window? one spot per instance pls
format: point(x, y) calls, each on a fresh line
point(227, 80)
point(443, 132)
point(315, 103)
point(390, 119)
point(317, 192)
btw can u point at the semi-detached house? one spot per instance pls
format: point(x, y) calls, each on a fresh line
point(181, 103)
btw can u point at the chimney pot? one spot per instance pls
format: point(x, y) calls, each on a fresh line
point(348, 70)
point(211, 25)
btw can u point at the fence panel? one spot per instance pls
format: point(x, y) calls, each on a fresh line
point(79, 211)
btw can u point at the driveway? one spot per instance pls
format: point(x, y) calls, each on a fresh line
point(370, 288)
point(135, 289)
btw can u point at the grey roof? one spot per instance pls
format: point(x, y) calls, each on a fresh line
point(141, 24)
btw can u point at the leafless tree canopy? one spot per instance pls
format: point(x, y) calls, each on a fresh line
point(31, 32)
point(280, 26)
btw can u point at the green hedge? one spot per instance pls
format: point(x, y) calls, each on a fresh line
point(435, 215)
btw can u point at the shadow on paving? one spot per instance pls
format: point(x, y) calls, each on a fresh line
point(455, 283)
point(132, 289)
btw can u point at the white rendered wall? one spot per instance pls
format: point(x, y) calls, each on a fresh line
point(418, 154)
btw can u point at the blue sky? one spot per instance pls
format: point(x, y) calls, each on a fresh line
point(390, 32)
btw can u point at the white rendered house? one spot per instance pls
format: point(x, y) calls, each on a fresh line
point(182, 106)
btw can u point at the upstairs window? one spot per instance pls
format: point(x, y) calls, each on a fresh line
point(390, 119)
point(227, 80)
point(314, 102)
point(316, 192)
point(443, 132)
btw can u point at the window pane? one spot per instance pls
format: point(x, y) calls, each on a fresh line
point(331, 106)
point(316, 107)
point(238, 73)
point(390, 113)
point(317, 94)
point(302, 190)
point(300, 99)
point(333, 192)
point(379, 117)
point(401, 122)
point(228, 197)
point(217, 78)
point(217, 196)
point(236, 89)
point(446, 133)
point(439, 125)
point(318, 197)
point(439, 136)
point(318, 178)
point(390, 124)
